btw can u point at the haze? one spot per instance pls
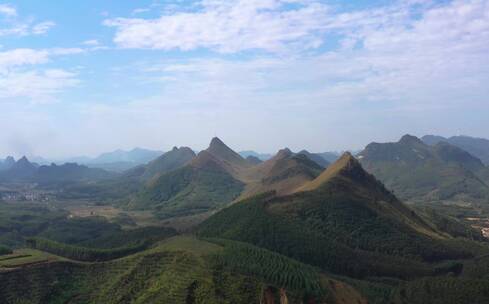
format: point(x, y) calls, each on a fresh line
point(89, 76)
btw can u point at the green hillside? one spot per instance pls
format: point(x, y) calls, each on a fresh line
point(172, 160)
point(192, 189)
point(419, 172)
point(209, 181)
point(283, 173)
point(180, 270)
point(479, 147)
point(349, 224)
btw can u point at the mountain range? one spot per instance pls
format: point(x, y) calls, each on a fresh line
point(344, 222)
point(420, 172)
point(23, 170)
point(117, 161)
point(479, 147)
point(291, 229)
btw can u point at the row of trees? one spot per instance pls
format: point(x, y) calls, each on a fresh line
point(83, 253)
point(271, 267)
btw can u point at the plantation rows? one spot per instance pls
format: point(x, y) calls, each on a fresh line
point(271, 267)
point(83, 253)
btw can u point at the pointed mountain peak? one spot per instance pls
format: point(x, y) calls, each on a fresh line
point(284, 153)
point(23, 160)
point(217, 142)
point(347, 162)
point(217, 145)
point(174, 149)
point(346, 166)
point(221, 151)
point(410, 139)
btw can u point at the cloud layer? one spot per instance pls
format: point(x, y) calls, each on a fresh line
point(228, 26)
point(304, 73)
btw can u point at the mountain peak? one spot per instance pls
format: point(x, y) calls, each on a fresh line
point(218, 146)
point(346, 166)
point(221, 151)
point(216, 141)
point(205, 160)
point(284, 153)
point(23, 160)
point(410, 139)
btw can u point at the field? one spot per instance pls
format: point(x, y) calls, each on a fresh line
point(25, 257)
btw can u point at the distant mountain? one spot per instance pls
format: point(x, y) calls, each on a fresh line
point(261, 156)
point(69, 172)
point(479, 147)
point(25, 171)
point(227, 158)
point(172, 160)
point(330, 157)
point(116, 161)
point(283, 173)
point(417, 171)
point(253, 160)
point(344, 222)
point(137, 156)
point(20, 170)
point(207, 182)
point(7, 163)
point(116, 167)
point(316, 157)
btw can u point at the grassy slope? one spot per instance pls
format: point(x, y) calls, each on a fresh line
point(180, 270)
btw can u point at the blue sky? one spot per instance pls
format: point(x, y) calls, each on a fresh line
point(83, 77)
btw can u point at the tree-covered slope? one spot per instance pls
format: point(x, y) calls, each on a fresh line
point(479, 147)
point(416, 171)
point(201, 186)
point(344, 222)
point(172, 160)
point(283, 173)
point(181, 270)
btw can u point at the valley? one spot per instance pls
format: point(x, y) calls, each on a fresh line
point(233, 230)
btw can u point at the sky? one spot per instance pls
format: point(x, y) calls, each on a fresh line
point(85, 77)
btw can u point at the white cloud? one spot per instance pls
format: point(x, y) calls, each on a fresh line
point(42, 28)
point(91, 42)
point(19, 76)
point(38, 86)
point(8, 10)
point(13, 25)
point(18, 57)
point(227, 26)
point(140, 11)
point(404, 56)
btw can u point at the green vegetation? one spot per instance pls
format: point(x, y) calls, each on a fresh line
point(249, 221)
point(443, 291)
point(271, 267)
point(18, 222)
point(130, 237)
point(5, 250)
point(172, 160)
point(83, 253)
point(348, 224)
point(188, 191)
point(170, 273)
point(25, 257)
point(416, 171)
